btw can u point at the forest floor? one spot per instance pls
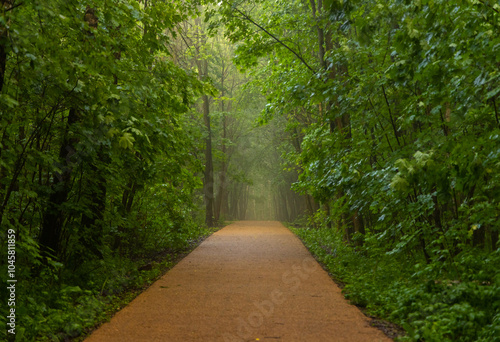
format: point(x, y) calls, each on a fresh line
point(250, 281)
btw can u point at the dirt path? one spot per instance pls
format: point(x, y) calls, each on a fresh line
point(250, 281)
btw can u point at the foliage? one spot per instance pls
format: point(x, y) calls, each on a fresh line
point(98, 168)
point(395, 104)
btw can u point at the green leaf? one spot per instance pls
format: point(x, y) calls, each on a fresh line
point(493, 93)
point(126, 141)
point(9, 101)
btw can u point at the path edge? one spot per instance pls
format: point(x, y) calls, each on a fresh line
point(125, 298)
point(390, 329)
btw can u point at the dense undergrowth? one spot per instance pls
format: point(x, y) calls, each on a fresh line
point(420, 297)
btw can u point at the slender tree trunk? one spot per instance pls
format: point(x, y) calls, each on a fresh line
point(283, 204)
point(208, 184)
point(208, 177)
point(221, 193)
point(478, 236)
point(54, 215)
point(92, 224)
point(4, 40)
point(494, 240)
point(321, 33)
point(359, 226)
point(423, 245)
point(91, 234)
point(342, 124)
point(328, 214)
point(243, 204)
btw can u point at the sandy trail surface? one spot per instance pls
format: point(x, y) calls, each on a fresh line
point(250, 281)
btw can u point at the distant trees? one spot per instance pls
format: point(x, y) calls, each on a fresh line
point(234, 151)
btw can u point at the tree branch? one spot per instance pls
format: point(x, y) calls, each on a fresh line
point(390, 115)
point(14, 6)
point(496, 110)
point(488, 5)
point(276, 39)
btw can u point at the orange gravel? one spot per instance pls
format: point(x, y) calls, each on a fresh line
point(250, 281)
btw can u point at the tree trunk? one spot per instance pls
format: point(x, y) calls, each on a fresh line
point(320, 31)
point(208, 181)
point(478, 236)
point(90, 236)
point(92, 224)
point(4, 40)
point(221, 193)
point(359, 226)
point(54, 215)
point(494, 240)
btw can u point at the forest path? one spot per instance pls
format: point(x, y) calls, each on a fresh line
point(250, 281)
